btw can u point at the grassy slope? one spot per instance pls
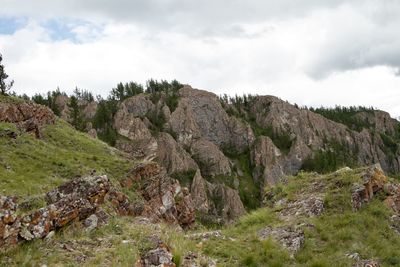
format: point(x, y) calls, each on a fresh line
point(29, 166)
point(337, 232)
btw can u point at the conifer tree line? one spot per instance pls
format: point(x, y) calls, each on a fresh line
point(106, 107)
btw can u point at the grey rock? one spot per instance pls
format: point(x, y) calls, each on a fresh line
point(290, 238)
point(210, 159)
point(172, 156)
point(91, 222)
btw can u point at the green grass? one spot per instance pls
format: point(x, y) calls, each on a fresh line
point(30, 166)
point(245, 249)
point(10, 99)
point(339, 230)
point(119, 243)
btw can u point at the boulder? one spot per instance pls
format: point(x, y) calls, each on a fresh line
point(289, 237)
point(308, 206)
point(159, 255)
point(192, 259)
point(122, 204)
point(92, 188)
point(9, 223)
point(367, 263)
point(373, 180)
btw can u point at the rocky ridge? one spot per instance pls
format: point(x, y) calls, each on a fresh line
point(203, 132)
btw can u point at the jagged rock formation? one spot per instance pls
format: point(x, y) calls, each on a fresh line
point(165, 198)
point(77, 199)
point(311, 132)
point(210, 159)
point(374, 180)
point(203, 132)
point(172, 156)
point(81, 199)
point(159, 254)
point(200, 114)
point(28, 117)
point(216, 202)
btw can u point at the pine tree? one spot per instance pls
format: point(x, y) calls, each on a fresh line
point(4, 88)
point(76, 116)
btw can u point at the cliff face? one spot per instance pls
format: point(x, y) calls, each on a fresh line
point(205, 135)
point(247, 146)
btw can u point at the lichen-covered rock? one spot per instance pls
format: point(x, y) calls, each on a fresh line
point(172, 156)
point(122, 204)
point(159, 255)
point(27, 116)
point(9, 223)
point(308, 206)
point(210, 159)
point(92, 188)
point(373, 180)
point(289, 237)
point(74, 200)
point(165, 198)
point(367, 263)
point(192, 259)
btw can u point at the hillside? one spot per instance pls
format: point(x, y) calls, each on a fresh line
point(231, 148)
point(288, 232)
point(196, 180)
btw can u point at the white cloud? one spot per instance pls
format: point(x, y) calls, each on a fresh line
point(312, 53)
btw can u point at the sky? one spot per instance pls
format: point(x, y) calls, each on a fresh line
point(310, 52)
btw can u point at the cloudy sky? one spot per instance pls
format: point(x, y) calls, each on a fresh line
point(311, 52)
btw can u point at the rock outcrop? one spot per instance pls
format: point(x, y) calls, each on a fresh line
point(165, 198)
point(10, 224)
point(172, 156)
point(139, 141)
point(159, 255)
point(312, 132)
point(210, 159)
point(290, 238)
point(28, 117)
point(200, 114)
point(77, 199)
point(217, 202)
point(373, 180)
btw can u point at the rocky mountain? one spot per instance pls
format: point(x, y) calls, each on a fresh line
point(187, 162)
point(210, 142)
